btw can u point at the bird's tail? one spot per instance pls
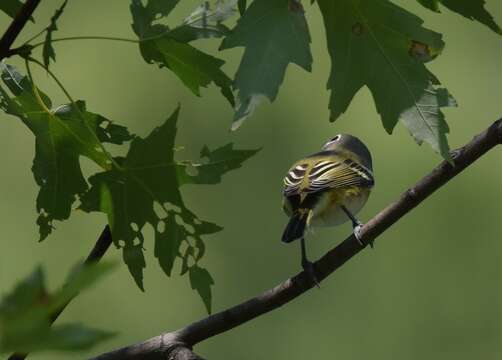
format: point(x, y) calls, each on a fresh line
point(296, 226)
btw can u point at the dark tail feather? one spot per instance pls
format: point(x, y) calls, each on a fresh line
point(295, 228)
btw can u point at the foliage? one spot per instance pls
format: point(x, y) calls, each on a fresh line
point(25, 313)
point(471, 9)
point(274, 34)
point(10, 7)
point(366, 35)
point(372, 43)
point(128, 187)
point(170, 49)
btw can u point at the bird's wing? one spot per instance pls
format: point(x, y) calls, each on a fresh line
point(326, 174)
point(329, 174)
point(294, 179)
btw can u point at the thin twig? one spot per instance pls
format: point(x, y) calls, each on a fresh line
point(165, 345)
point(16, 26)
point(98, 251)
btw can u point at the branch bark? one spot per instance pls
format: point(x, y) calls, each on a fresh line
point(176, 345)
point(98, 251)
point(16, 26)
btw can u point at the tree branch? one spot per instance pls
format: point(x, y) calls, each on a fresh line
point(16, 26)
point(176, 345)
point(102, 244)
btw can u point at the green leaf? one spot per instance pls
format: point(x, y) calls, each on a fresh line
point(62, 135)
point(134, 258)
point(48, 52)
point(68, 337)
point(10, 7)
point(80, 278)
point(25, 314)
point(380, 45)
point(168, 49)
point(430, 4)
point(215, 164)
point(201, 281)
point(274, 34)
point(471, 9)
point(150, 176)
point(474, 10)
point(168, 242)
point(205, 22)
point(242, 6)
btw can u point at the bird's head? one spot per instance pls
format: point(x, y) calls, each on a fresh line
point(350, 143)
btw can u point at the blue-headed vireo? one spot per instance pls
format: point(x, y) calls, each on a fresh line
point(326, 189)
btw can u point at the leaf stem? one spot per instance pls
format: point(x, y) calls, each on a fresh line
point(34, 37)
point(61, 86)
point(109, 38)
point(35, 89)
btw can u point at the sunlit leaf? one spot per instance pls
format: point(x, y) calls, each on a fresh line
point(274, 34)
point(377, 44)
point(63, 134)
point(25, 314)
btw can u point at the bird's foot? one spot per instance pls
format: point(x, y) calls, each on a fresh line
point(357, 233)
point(309, 268)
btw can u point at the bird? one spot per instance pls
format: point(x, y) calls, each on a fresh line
point(327, 188)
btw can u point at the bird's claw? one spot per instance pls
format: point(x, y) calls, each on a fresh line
point(357, 233)
point(309, 268)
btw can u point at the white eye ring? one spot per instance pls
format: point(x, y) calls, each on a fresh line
point(336, 138)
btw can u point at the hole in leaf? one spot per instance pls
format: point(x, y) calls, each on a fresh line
point(191, 240)
point(171, 207)
point(161, 226)
point(98, 149)
point(136, 241)
point(135, 227)
point(197, 221)
point(121, 243)
point(191, 261)
point(179, 220)
point(183, 247)
point(159, 210)
point(421, 51)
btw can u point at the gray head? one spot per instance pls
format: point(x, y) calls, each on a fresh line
point(347, 142)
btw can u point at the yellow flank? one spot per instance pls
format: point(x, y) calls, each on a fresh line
point(328, 212)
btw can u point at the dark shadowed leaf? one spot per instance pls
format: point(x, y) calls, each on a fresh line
point(430, 4)
point(48, 52)
point(168, 49)
point(10, 7)
point(205, 22)
point(26, 311)
point(62, 135)
point(201, 281)
point(150, 175)
point(242, 6)
point(471, 9)
point(377, 44)
point(274, 34)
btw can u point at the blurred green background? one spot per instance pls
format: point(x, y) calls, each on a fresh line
point(430, 289)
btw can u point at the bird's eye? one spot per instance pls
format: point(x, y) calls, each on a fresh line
point(336, 138)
